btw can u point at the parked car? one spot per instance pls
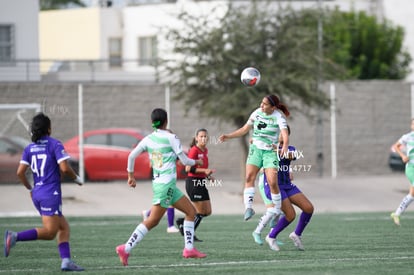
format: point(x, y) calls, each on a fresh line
point(106, 154)
point(11, 149)
point(395, 162)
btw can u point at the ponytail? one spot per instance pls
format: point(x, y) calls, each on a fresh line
point(158, 118)
point(284, 109)
point(274, 101)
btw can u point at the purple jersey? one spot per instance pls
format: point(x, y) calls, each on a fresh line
point(283, 177)
point(286, 187)
point(44, 157)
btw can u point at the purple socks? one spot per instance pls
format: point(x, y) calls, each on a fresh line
point(303, 222)
point(170, 216)
point(283, 223)
point(64, 250)
point(28, 235)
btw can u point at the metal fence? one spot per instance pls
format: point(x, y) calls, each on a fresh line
point(114, 70)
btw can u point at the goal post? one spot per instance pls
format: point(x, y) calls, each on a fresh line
point(17, 110)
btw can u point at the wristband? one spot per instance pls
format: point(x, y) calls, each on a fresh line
point(193, 169)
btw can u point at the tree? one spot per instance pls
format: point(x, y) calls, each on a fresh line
point(58, 4)
point(213, 51)
point(368, 48)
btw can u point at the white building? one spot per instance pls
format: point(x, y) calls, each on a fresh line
point(19, 40)
point(89, 43)
point(401, 12)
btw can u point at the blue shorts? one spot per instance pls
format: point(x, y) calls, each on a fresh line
point(48, 205)
point(286, 191)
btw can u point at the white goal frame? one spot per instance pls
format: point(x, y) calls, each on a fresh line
point(20, 109)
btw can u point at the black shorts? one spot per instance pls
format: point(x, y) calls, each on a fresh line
point(196, 189)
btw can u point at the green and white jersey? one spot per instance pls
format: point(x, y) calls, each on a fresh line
point(408, 141)
point(163, 149)
point(266, 128)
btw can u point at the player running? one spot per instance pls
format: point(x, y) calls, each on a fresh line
point(47, 158)
point(163, 148)
point(406, 141)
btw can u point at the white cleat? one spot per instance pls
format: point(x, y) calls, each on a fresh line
point(172, 229)
point(297, 241)
point(272, 243)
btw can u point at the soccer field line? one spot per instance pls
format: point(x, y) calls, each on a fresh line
point(238, 263)
point(217, 264)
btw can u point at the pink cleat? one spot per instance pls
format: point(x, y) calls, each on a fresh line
point(10, 238)
point(193, 253)
point(123, 256)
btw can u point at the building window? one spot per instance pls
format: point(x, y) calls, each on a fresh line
point(147, 47)
point(7, 43)
point(115, 52)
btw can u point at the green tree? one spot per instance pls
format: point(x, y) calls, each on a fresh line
point(213, 51)
point(59, 4)
point(367, 47)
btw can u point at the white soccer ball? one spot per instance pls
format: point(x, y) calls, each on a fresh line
point(250, 76)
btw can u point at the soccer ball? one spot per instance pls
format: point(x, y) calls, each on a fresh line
point(250, 76)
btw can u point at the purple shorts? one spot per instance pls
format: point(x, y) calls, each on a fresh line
point(286, 191)
point(48, 205)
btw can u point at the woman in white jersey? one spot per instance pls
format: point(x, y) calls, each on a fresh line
point(267, 122)
point(406, 141)
point(163, 148)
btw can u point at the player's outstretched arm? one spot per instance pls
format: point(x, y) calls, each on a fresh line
point(237, 133)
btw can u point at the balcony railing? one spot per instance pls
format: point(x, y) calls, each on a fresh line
point(137, 70)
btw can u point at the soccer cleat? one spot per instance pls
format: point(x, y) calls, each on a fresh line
point(197, 239)
point(123, 256)
point(71, 266)
point(248, 214)
point(172, 229)
point(395, 218)
point(180, 225)
point(193, 253)
point(145, 215)
point(297, 241)
point(272, 243)
point(10, 238)
point(257, 238)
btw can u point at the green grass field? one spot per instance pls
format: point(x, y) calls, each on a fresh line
point(358, 244)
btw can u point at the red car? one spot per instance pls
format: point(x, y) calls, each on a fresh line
point(11, 149)
point(106, 154)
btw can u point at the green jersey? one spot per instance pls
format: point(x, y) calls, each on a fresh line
point(266, 128)
point(163, 149)
point(408, 141)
